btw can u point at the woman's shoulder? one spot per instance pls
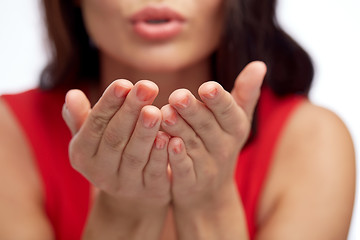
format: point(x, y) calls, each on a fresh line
point(316, 145)
point(313, 129)
point(36, 111)
point(20, 184)
point(15, 152)
point(12, 137)
point(314, 172)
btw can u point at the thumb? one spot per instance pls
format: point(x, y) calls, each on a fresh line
point(247, 86)
point(75, 110)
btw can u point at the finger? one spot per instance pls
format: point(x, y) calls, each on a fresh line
point(137, 152)
point(182, 168)
point(122, 124)
point(198, 116)
point(228, 114)
point(247, 86)
point(174, 125)
point(75, 110)
point(86, 141)
point(156, 171)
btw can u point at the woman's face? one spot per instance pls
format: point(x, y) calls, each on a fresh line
point(155, 35)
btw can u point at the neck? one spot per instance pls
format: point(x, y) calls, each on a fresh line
point(190, 78)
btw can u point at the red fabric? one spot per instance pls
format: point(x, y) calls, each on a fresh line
point(67, 193)
point(255, 159)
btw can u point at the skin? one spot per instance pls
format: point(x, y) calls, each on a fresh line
point(170, 119)
point(129, 178)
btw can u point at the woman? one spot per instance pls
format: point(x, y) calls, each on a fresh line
point(162, 163)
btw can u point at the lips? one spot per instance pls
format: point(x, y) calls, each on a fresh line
point(157, 23)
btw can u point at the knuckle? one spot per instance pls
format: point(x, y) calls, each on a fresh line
point(97, 123)
point(132, 161)
point(155, 175)
point(205, 125)
point(193, 143)
point(113, 139)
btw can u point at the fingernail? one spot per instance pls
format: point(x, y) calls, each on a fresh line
point(149, 121)
point(160, 143)
point(211, 94)
point(143, 93)
point(183, 103)
point(120, 91)
point(177, 148)
point(170, 118)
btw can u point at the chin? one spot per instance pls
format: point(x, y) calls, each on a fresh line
point(162, 65)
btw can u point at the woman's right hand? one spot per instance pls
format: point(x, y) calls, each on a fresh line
point(118, 147)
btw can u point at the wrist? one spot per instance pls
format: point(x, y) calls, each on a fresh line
point(111, 217)
point(219, 217)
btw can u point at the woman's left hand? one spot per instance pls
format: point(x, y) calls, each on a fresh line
point(206, 139)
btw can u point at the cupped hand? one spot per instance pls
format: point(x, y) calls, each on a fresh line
point(207, 136)
point(117, 144)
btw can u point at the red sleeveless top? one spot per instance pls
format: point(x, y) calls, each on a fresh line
point(67, 193)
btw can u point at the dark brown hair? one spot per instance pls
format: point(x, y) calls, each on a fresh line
point(251, 33)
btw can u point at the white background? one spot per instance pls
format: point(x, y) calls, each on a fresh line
point(328, 29)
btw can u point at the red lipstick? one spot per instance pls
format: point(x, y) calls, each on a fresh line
point(157, 23)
